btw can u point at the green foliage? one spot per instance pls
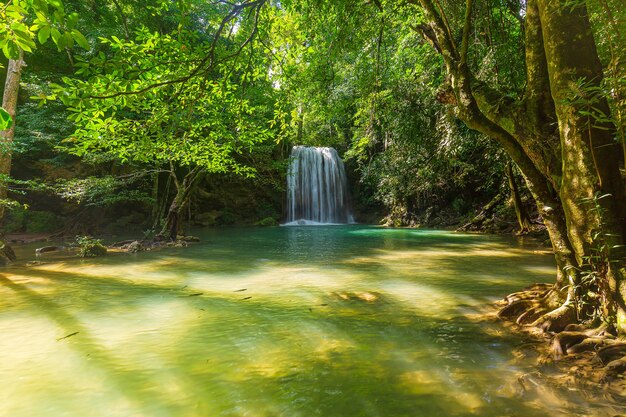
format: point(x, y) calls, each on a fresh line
point(102, 191)
point(5, 119)
point(22, 20)
point(267, 222)
point(21, 219)
point(89, 247)
point(359, 78)
point(136, 105)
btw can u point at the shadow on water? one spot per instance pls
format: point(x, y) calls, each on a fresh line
point(253, 325)
point(126, 381)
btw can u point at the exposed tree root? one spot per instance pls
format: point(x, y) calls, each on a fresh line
point(556, 320)
point(588, 355)
point(609, 354)
point(531, 315)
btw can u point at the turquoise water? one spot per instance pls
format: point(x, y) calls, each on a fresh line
point(288, 321)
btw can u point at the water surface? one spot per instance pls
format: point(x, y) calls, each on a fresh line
point(287, 321)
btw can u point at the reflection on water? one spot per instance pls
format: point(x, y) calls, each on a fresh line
point(300, 321)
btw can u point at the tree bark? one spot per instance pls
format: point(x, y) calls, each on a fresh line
point(592, 188)
point(9, 103)
point(481, 115)
point(523, 219)
point(174, 220)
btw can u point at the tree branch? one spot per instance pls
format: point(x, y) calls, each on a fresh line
point(209, 58)
point(466, 31)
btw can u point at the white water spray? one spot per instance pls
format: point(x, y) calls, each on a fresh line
point(317, 187)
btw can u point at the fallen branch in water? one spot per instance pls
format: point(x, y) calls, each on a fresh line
point(69, 335)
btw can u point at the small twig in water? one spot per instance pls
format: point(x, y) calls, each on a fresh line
point(69, 335)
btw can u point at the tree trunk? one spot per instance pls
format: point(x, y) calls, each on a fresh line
point(173, 226)
point(523, 219)
point(9, 103)
point(174, 220)
point(592, 188)
point(573, 172)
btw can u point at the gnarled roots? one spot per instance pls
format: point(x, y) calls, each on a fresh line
point(541, 308)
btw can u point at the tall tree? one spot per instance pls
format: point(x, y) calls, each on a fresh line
point(20, 22)
point(573, 170)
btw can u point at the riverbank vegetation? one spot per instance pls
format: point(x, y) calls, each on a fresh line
point(499, 116)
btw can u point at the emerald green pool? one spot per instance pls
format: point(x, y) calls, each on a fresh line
point(288, 321)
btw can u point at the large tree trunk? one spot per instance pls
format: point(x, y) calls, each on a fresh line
point(9, 103)
point(592, 189)
point(573, 172)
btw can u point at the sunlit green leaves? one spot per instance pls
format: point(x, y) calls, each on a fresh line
point(49, 20)
point(158, 97)
point(5, 119)
point(44, 34)
point(80, 39)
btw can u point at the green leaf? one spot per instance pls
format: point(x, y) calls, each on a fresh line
point(5, 119)
point(56, 36)
point(41, 5)
point(80, 39)
point(72, 19)
point(68, 40)
point(11, 50)
point(44, 34)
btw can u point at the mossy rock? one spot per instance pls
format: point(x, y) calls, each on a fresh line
point(93, 250)
point(188, 238)
point(89, 247)
point(134, 247)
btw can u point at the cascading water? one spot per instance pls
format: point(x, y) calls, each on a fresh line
point(317, 187)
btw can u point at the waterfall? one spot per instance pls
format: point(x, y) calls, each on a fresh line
point(317, 187)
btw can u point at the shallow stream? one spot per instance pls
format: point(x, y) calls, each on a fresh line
point(339, 321)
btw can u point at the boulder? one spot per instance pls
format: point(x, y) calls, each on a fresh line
point(133, 247)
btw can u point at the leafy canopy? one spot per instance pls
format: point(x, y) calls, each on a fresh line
point(183, 97)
